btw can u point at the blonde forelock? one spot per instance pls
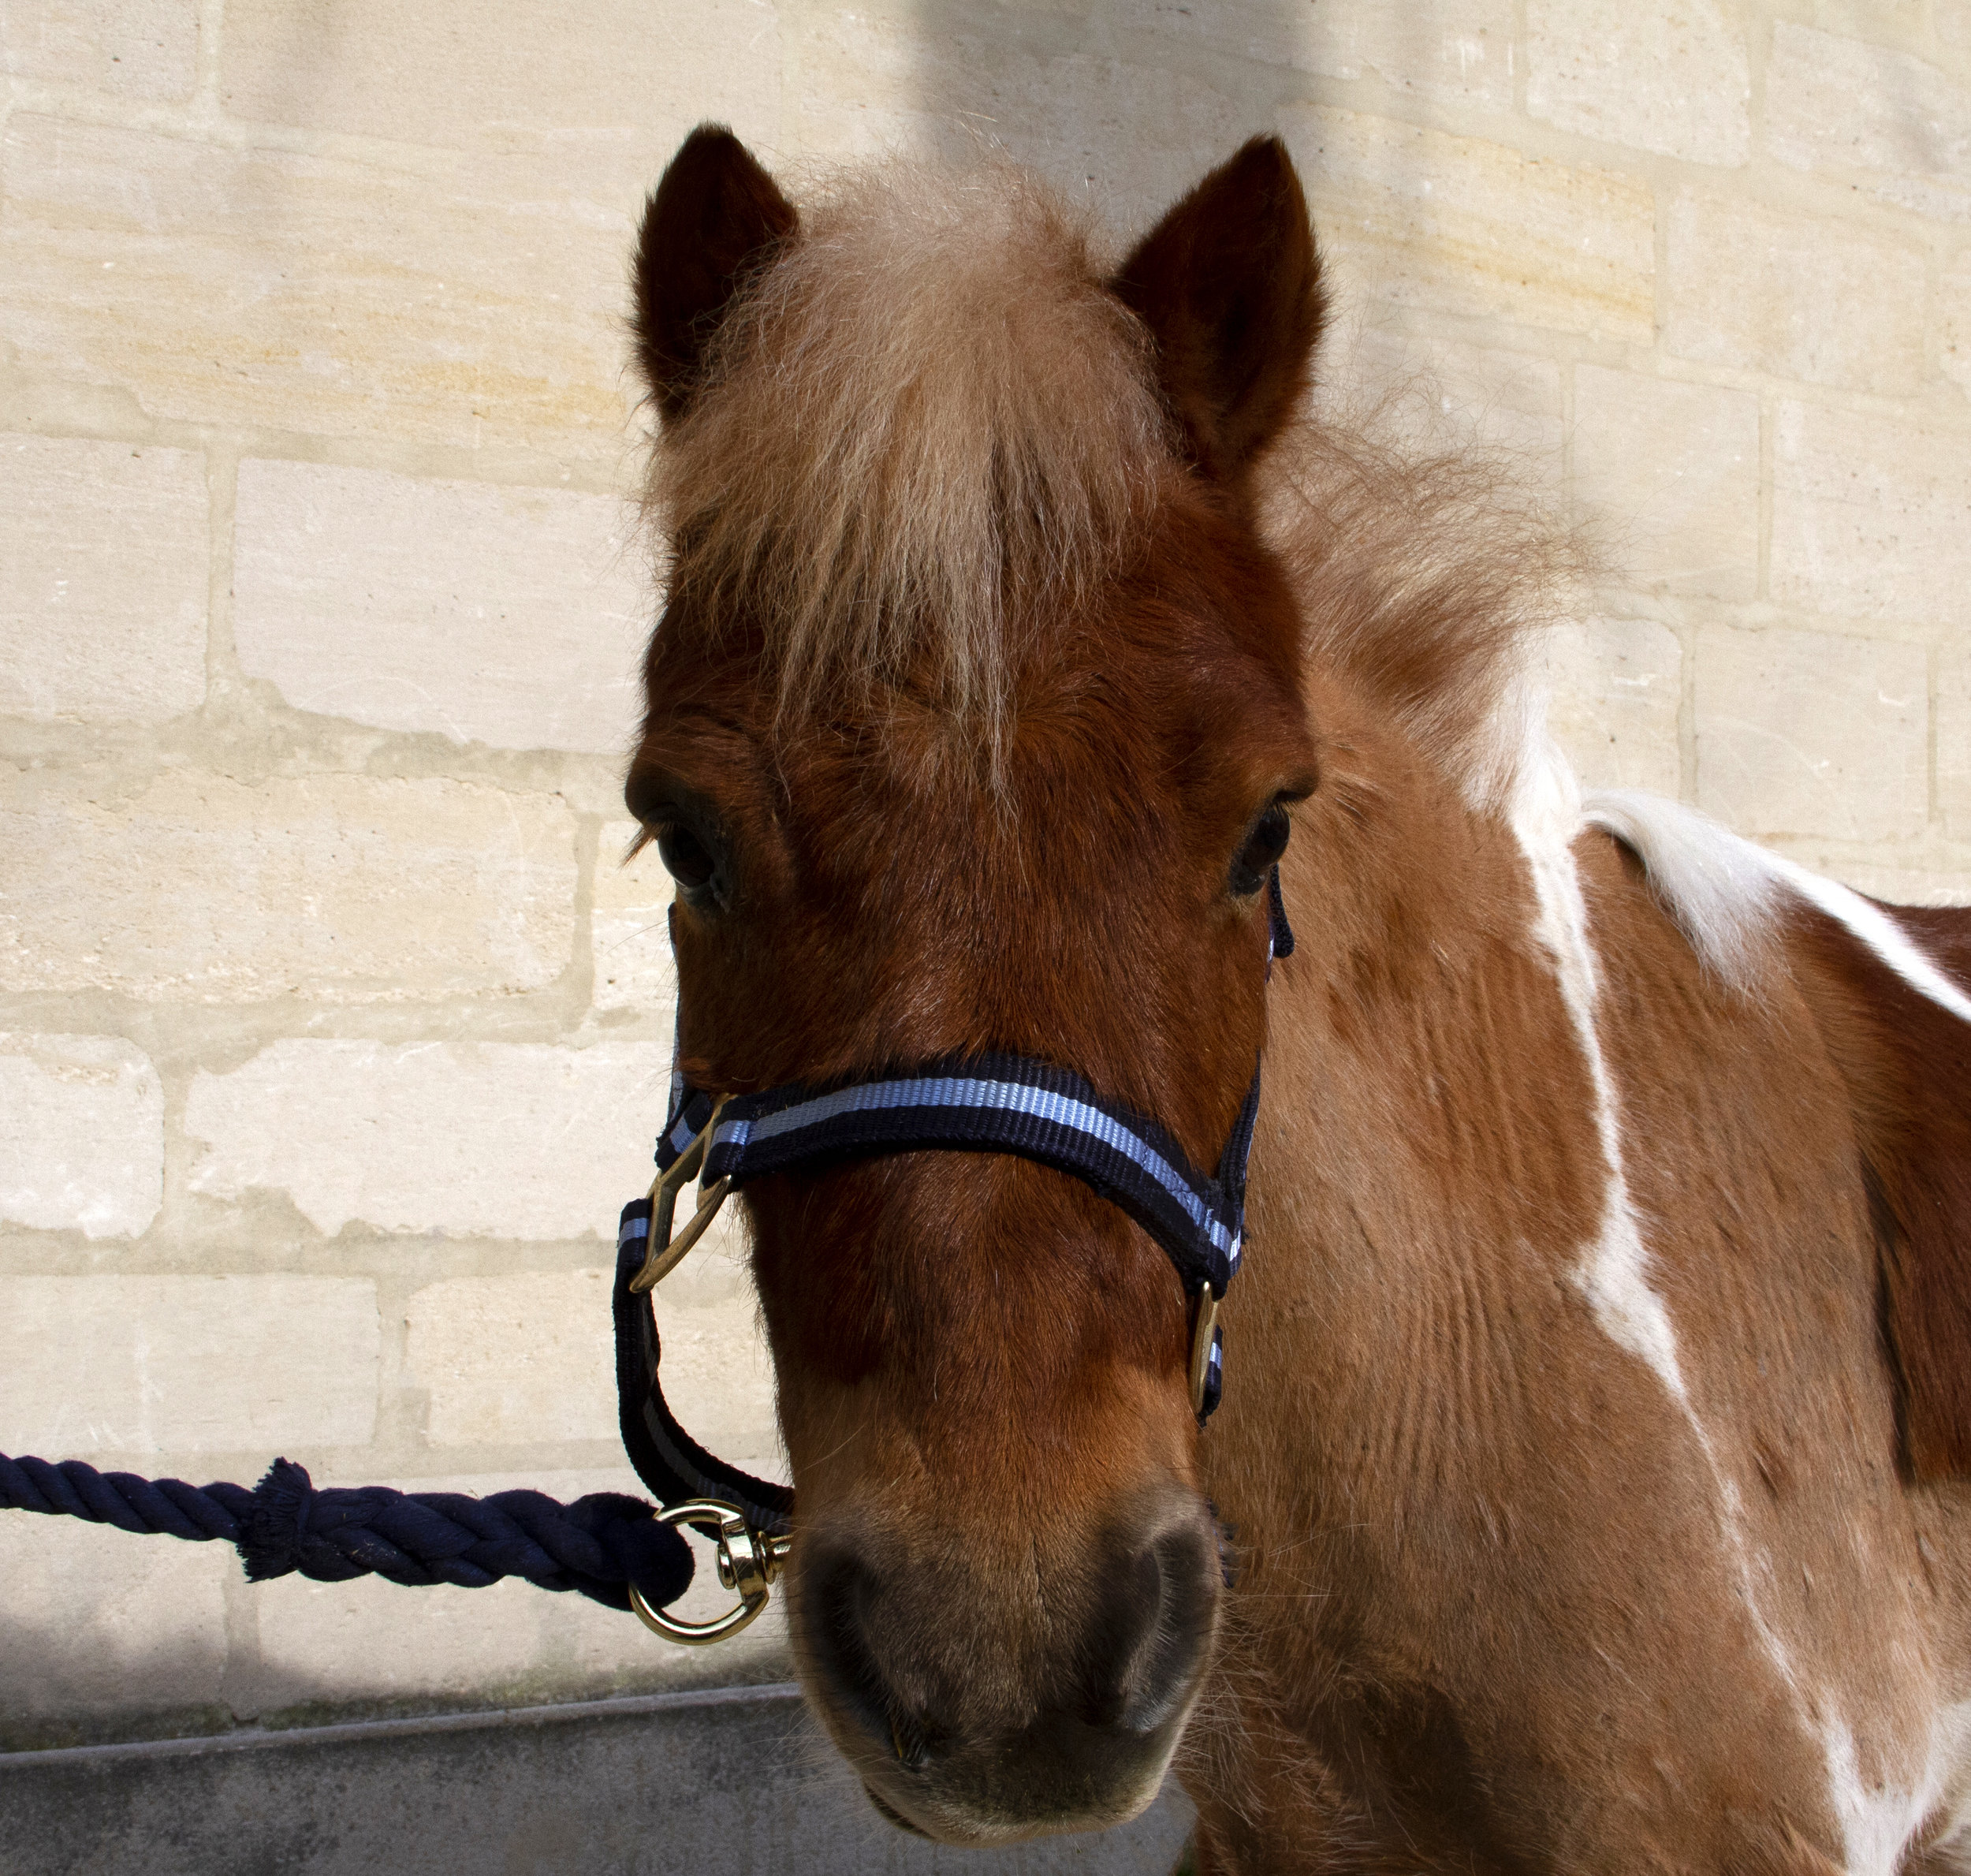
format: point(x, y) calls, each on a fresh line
point(927, 421)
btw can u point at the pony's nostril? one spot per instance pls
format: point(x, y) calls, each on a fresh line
point(840, 1589)
point(843, 1593)
point(1151, 1634)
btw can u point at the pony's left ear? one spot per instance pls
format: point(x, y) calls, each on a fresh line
point(717, 218)
point(1229, 284)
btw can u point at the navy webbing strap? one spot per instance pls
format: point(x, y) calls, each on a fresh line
point(666, 1458)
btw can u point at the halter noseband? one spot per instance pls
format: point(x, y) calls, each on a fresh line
point(973, 1103)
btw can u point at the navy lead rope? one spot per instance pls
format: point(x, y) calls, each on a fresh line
point(977, 1103)
point(596, 1546)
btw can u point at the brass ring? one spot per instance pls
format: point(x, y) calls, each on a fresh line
point(748, 1564)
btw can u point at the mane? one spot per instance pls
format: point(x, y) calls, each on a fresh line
point(1428, 577)
point(927, 420)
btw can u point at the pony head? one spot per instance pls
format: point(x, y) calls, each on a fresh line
point(976, 718)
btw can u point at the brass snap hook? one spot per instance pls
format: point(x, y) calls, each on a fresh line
point(665, 1253)
point(748, 1561)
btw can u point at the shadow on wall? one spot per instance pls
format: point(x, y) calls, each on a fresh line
point(111, 1637)
point(54, 1697)
point(179, 1687)
point(1123, 106)
point(1126, 104)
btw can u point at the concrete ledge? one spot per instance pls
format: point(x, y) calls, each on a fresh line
point(721, 1783)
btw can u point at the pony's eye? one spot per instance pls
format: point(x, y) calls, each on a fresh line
point(1264, 845)
point(683, 854)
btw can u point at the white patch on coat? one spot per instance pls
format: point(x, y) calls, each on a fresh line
point(1876, 1822)
point(1725, 893)
point(1722, 890)
point(1613, 1273)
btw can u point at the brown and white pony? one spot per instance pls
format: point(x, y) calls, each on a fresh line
point(1598, 1382)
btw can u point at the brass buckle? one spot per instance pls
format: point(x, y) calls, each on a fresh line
point(1201, 1346)
point(748, 1561)
point(664, 1253)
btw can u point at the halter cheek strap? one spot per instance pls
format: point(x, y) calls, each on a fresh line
point(1012, 1104)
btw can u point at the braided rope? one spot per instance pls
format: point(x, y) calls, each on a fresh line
point(596, 1546)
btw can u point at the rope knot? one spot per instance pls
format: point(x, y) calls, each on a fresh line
point(276, 1523)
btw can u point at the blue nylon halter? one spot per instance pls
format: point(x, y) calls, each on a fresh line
point(993, 1104)
point(971, 1103)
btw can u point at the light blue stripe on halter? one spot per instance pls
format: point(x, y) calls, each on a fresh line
point(682, 1136)
point(964, 1092)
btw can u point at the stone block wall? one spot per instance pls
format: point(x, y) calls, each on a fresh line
point(332, 1033)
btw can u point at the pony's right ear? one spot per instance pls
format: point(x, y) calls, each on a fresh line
point(716, 219)
point(1229, 284)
